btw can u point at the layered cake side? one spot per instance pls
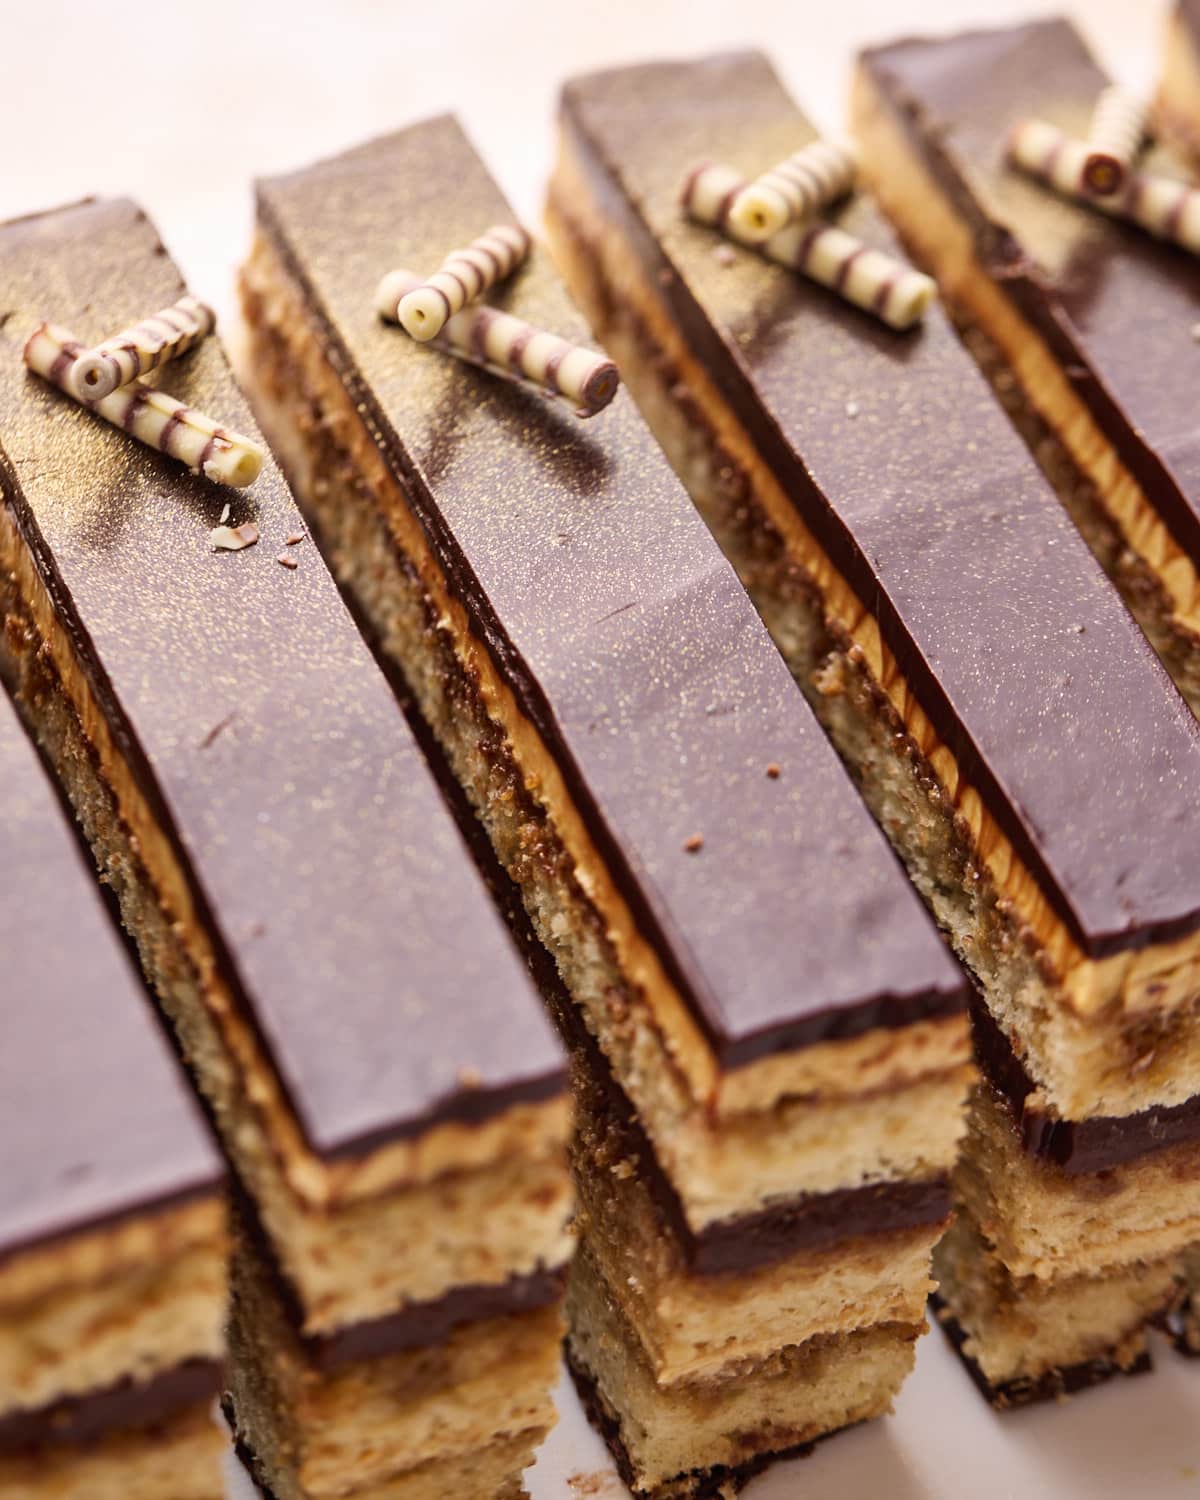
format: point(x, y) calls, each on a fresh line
point(113, 1234)
point(1083, 322)
point(769, 1039)
point(1178, 100)
point(387, 1085)
point(1004, 717)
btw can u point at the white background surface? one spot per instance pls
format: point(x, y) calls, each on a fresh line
point(181, 106)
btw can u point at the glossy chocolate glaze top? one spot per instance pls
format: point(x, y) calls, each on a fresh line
point(623, 632)
point(96, 1119)
point(901, 461)
point(1117, 305)
point(346, 912)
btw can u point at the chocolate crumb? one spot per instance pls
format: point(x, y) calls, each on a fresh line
point(773, 771)
point(694, 844)
point(218, 729)
point(286, 560)
point(296, 536)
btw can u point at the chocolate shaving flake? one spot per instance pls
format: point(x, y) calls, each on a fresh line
point(773, 771)
point(294, 540)
point(233, 538)
point(286, 560)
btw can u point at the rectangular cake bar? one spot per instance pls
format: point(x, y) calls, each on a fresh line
point(1178, 100)
point(1084, 323)
point(1178, 114)
point(113, 1235)
point(387, 1084)
point(1005, 719)
point(770, 1041)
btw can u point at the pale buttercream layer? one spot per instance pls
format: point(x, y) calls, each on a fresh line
point(1021, 1329)
point(364, 1424)
point(180, 1459)
point(1046, 1223)
point(128, 1303)
point(670, 1438)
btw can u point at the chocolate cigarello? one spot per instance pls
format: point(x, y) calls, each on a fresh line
point(806, 181)
point(1167, 209)
point(134, 351)
point(1117, 130)
point(871, 279)
point(462, 278)
point(150, 415)
point(508, 346)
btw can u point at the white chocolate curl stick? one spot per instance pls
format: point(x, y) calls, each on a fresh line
point(869, 278)
point(1168, 209)
point(135, 351)
point(150, 415)
point(797, 187)
point(462, 278)
point(1115, 137)
point(511, 347)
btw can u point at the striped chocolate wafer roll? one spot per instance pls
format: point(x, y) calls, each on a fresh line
point(1166, 208)
point(807, 180)
point(134, 351)
point(461, 279)
point(1115, 137)
point(151, 416)
point(510, 347)
point(871, 279)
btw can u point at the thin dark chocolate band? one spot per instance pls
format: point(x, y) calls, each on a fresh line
point(421, 1324)
point(1077, 1146)
point(129, 1406)
point(416, 1325)
point(598, 135)
point(745, 1242)
point(1053, 1385)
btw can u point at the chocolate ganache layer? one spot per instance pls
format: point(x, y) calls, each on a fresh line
point(1114, 304)
point(344, 911)
point(1078, 1146)
point(97, 1123)
point(908, 473)
point(621, 632)
point(131, 1406)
